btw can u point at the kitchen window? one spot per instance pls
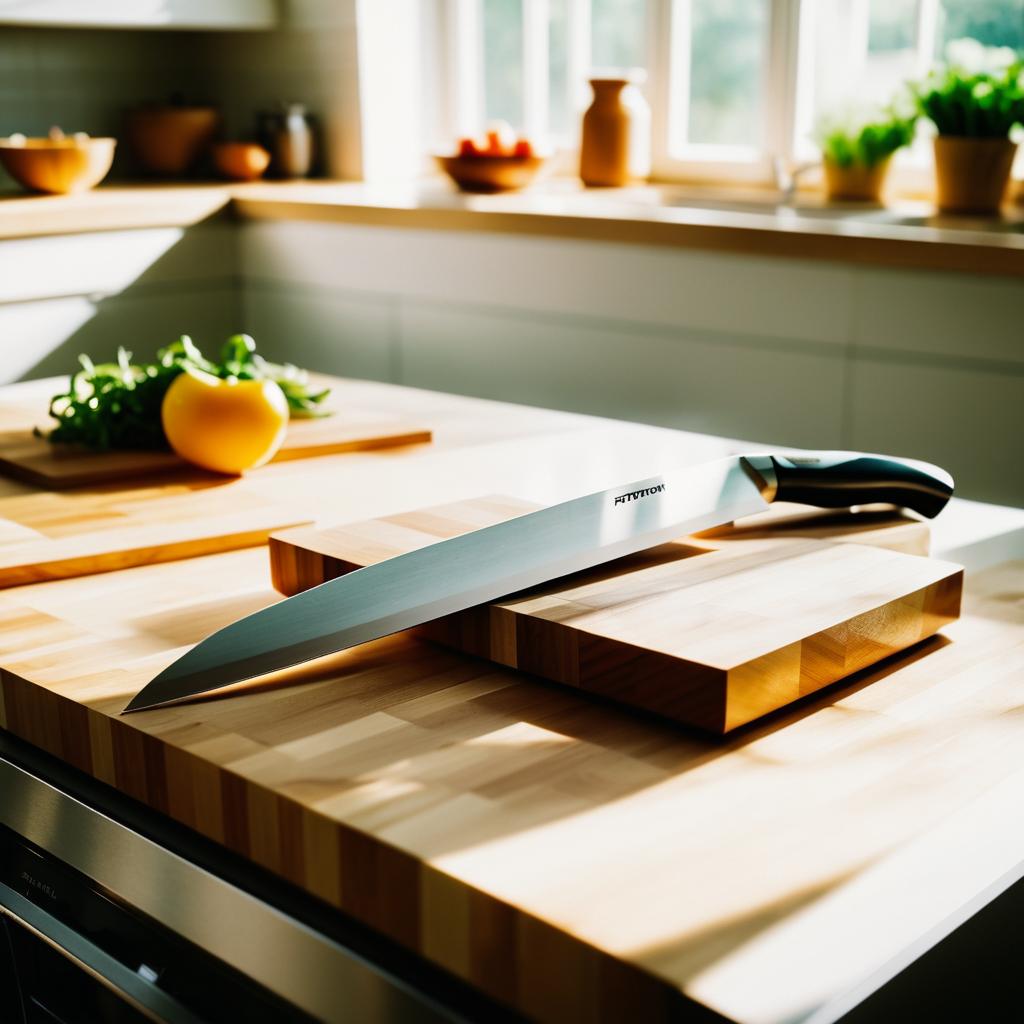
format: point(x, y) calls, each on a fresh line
point(732, 83)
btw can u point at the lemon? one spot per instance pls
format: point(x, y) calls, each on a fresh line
point(227, 425)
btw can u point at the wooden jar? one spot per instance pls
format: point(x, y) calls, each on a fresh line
point(615, 147)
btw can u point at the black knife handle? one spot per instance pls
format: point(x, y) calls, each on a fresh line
point(842, 479)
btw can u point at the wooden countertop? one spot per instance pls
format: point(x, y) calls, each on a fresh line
point(574, 861)
point(906, 235)
point(110, 208)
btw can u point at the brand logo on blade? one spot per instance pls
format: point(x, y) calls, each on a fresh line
point(644, 492)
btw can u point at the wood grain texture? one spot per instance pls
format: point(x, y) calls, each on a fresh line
point(576, 862)
point(660, 217)
point(32, 459)
point(712, 633)
point(572, 861)
point(102, 512)
point(48, 535)
point(654, 216)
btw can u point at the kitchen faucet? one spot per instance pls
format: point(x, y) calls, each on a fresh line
point(787, 179)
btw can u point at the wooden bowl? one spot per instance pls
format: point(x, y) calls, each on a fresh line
point(71, 164)
point(491, 173)
point(240, 161)
point(170, 141)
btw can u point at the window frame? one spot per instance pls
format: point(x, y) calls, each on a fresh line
point(669, 86)
point(786, 85)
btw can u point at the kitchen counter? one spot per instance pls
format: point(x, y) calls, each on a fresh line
point(907, 234)
point(569, 859)
point(110, 208)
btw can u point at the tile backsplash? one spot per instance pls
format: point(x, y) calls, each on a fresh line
point(85, 79)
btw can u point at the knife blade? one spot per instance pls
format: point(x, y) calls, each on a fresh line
point(532, 549)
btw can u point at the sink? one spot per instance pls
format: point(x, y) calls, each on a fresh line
point(845, 216)
point(840, 213)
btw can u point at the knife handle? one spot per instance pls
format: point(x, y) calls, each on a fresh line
point(842, 479)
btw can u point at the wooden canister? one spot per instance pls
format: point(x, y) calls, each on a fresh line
point(615, 147)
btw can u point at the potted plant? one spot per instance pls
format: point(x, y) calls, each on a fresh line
point(857, 148)
point(974, 102)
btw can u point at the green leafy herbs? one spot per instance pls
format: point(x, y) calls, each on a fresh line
point(117, 405)
point(867, 138)
point(979, 93)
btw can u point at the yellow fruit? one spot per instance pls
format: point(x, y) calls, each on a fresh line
point(224, 425)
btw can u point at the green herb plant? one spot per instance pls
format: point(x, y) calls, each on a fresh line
point(117, 405)
point(867, 140)
point(983, 102)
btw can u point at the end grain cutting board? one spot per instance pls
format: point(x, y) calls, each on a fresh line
point(712, 632)
point(34, 460)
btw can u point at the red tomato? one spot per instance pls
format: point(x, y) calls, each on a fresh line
point(469, 147)
point(524, 148)
point(501, 140)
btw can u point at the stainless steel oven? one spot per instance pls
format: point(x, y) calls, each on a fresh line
point(110, 913)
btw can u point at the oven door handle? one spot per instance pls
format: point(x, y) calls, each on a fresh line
point(127, 984)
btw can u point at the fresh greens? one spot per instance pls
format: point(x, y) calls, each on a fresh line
point(865, 140)
point(117, 405)
point(979, 93)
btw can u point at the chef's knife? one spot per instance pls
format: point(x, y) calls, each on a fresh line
point(535, 548)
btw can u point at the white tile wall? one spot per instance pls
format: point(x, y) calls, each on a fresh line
point(779, 299)
point(304, 61)
point(93, 292)
point(779, 351)
point(711, 384)
point(350, 335)
point(84, 79)
point(40, 339)
point(964, 316)
point(969, 421)
point(107, 262)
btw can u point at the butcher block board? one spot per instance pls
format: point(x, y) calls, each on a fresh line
point(32, 459)
point(711, 632)
point(48, 535)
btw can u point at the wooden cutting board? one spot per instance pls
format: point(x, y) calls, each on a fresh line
point(712, 632)
point(34, 460)
point(48, 535)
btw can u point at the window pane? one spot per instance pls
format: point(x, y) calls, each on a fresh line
point(892, 26)
point(618, 33)
point(727, 51)
point(892, 50)
point(503, 60)
point(992, 22)
point(558, 69)
point(864, 53)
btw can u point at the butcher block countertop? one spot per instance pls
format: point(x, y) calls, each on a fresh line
point(575, 861)
point(907, 233)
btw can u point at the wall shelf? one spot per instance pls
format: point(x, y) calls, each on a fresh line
point(152, 14)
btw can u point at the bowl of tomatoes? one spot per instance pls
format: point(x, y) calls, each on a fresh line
point(499, 162)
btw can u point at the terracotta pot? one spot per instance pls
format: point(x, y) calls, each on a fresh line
point(240, 161)
point(856, 182)
point(971, 175)
point(170, 141)
point(71, 164)
point(615, 146)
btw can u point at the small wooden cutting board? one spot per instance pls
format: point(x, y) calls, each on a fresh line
point(713, 632)
point(46, 536)
point(34, 460)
